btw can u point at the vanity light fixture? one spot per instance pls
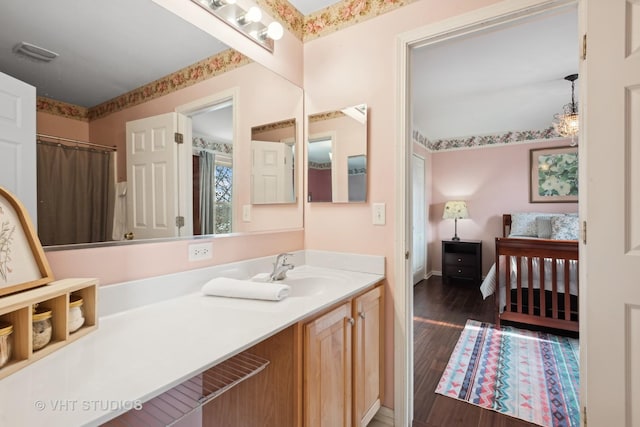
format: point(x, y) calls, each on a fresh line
point(567, 122)
point(254, 14)
point(219, 3)
point(247, 22)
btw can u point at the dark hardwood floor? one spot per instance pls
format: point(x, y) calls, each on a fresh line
point(440, 313)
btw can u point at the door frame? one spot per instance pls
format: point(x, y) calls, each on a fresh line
point(493, 15)
point(189, 109)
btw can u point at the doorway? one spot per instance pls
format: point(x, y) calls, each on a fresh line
point(505, 13)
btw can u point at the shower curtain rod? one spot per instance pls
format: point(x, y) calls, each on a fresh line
point(77, 141)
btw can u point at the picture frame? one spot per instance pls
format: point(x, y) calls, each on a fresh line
point(23, 264)
point(553, 176)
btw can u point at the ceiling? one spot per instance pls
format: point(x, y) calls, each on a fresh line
point(122, 44)
point(509, 78)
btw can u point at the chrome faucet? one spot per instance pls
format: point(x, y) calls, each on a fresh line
point(280, 267)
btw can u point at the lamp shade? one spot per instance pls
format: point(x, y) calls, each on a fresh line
point(455, 209)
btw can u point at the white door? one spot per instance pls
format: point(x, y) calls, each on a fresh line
point(18, 141)
point(610, 261)
point(271, 172)
point(156, 194)
point(419, 258)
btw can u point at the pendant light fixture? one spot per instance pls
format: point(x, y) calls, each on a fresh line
point(567, 123)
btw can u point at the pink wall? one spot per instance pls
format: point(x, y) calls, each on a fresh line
point(352, 66)
point(50, 124)
point(493, 180)
point(114, 264)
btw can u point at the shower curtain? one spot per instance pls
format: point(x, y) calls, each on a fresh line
point(76, 189)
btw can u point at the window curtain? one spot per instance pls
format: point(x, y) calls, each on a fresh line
point(76, 192)
point(207, 192)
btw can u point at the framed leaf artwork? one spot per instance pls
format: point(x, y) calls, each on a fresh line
point(23, 264)
point(554, 175)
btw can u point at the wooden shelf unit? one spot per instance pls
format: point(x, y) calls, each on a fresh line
point(17, 310)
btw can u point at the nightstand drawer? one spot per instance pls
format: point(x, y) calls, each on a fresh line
point(460, 259)
point(460, 271)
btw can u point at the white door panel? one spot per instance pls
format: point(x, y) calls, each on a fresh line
point(154, 164)
point(610, 261)
point(271, 172)
point(18, 141)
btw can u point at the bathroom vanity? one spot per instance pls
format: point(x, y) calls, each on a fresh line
point(319, 348)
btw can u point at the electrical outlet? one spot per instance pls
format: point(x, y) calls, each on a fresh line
point(379, 216)
point(200, 251)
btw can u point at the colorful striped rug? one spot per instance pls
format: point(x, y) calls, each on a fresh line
point(529, 375)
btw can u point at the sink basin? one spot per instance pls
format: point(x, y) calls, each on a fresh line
point(306, 286)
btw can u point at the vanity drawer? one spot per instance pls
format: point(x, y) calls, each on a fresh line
point(460, 259)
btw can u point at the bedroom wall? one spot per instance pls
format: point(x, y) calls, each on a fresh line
point(493, 180)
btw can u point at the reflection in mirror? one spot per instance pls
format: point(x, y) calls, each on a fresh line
point(273, 167)
point(357, 178)
point(337, 160)
point(212, 139)
point(97, 84)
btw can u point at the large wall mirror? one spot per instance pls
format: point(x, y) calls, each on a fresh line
point(125, 61)
point(337, 155)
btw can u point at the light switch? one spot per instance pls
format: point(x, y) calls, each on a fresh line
point(246, 213)
point(379, 216)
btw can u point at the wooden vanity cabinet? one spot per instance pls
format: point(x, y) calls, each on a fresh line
point(327, 369)
point(342, 368)
point(368, 354)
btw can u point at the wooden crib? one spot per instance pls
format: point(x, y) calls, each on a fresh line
point(527, 266)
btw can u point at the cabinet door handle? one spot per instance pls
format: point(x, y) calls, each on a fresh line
point(459, 271)
point(351, 320)
point(459, 259)
point(361, 314)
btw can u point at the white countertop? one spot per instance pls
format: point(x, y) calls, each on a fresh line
point(139, 353)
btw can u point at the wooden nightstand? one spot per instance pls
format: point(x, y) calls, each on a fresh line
point(462, 259)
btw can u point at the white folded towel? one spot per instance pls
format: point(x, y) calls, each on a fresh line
point(234, 288)
point(261, 277)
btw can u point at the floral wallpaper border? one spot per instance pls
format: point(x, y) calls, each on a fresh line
point(320, 166)
point(273, 126)
point(325, 116)
point(210, 144)
point(479, 141)
point(346, 13)
point(59, 108)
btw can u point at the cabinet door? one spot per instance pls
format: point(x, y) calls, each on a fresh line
point(327, 368)
point(367, 356)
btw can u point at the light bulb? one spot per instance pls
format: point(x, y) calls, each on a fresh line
point(275, 31)
point(254, 14)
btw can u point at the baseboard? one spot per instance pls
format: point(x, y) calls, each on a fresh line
point(384, 416)
point(436, 273)
point(428, 275)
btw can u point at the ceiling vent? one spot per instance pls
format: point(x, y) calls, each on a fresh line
point(34, 52)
